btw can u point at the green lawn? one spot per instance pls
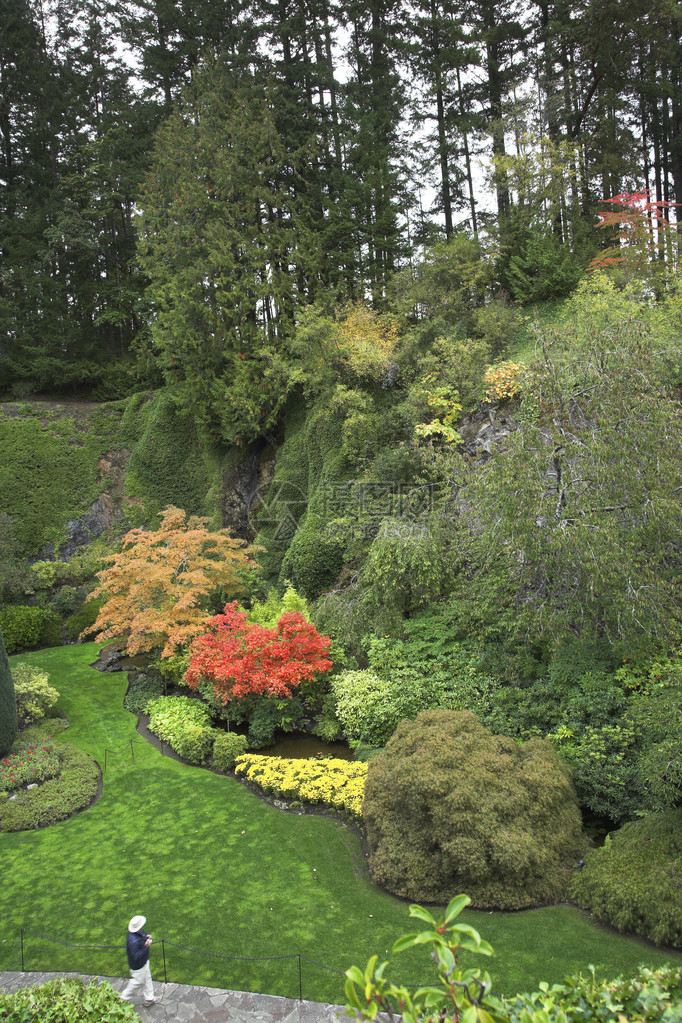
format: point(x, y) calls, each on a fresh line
point(214, 868)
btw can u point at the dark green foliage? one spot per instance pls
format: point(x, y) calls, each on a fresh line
point(83, 619)
point(271, 714)
point(313, 561)
point(450, 807)
point(8, 702)
point(66, 998)
point(168, 464)
point(634, 882)
point(58, 798)
point(143, 689)
point(226, 748)
point(47, 476)
point(22, 626)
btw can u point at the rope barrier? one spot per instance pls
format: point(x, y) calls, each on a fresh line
point(195, 951)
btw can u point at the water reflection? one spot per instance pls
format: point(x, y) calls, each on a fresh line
point(300, 747)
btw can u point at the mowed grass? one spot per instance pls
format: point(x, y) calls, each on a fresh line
point(214, 868)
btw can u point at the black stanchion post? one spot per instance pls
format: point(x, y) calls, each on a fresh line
point(163, 949)
point(300, 979)
point(22, 949)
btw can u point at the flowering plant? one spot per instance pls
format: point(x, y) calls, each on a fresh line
point(339, 784)
point(30, 765)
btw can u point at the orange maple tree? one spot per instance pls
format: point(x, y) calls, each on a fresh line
point(155, 589)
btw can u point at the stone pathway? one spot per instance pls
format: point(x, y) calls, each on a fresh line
point(187, 1004)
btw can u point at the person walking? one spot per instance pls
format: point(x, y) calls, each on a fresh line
point(137, 951)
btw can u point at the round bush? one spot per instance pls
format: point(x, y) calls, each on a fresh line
point(226, 748)
point(34, 693)
point(450, 807)
point(634, 882)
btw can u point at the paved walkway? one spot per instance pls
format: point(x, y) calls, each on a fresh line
point(186, 1004)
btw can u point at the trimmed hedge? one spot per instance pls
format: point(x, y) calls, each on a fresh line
point(57, 799)
point(66, 998)
point(634, 882)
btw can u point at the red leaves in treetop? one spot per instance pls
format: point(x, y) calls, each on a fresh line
point(240, 658)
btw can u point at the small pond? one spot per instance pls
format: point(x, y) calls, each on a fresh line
point(301, 746)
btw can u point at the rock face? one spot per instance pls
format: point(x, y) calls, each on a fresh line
point(485, 431)
point(108, 659)
point(244, 488)
point(107, 509)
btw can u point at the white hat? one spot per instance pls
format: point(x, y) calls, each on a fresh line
point(137, 923)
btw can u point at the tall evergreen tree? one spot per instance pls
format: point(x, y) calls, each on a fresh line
point(8, 703)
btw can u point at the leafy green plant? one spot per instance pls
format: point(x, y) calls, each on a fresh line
point(66, 1000)
point(34, 693)
point(184, 724)
point(21, 626)
point(142, 690)
point(463, 994)
point(226, 748)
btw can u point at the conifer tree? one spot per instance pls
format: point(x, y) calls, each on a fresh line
point(8, 703)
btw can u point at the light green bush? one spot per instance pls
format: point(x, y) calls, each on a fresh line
point(34, 693)
point(184, 724)
point(226, 748)
point(21, 626)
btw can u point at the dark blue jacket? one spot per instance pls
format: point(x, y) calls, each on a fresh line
point(136, 950)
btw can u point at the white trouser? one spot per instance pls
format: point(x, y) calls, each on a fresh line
point(140, 978)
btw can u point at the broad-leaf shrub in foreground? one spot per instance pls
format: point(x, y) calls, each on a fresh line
point(463, 994)
point(634, 882)
point(338, 784)
point(448, 805)
point(66, 1000)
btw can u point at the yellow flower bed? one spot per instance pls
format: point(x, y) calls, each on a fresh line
point(339, 784)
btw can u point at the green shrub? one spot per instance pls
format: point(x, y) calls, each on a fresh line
point(405, 569)
point(21, 626)
point(66, 998)
point(68, 600)
point(83, 619)
point(313, 561)
point(367, 705)
point(634, 882)
point(271, 714)
point(58, 798)
point(226, 748)
point(51, 631)
point(450, 807)
point(142, 690)
point(34, 693)
point(184, 724)
point(195, 742)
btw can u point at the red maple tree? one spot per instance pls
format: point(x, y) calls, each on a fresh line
point(239, 658)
